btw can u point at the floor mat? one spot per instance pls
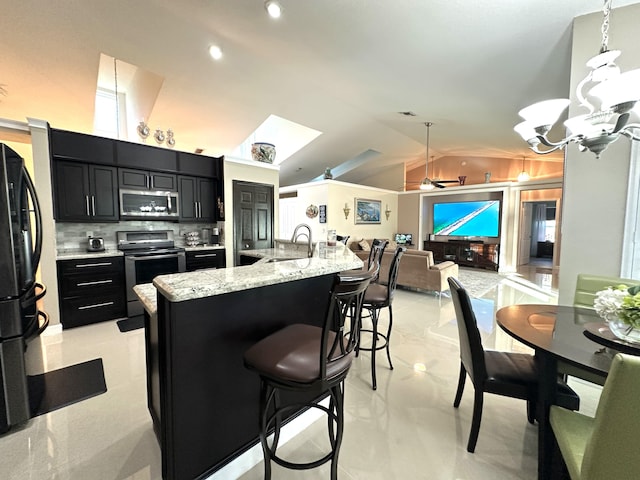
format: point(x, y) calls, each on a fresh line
point(59, 388)
point(132, 323)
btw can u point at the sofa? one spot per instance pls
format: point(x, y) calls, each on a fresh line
point(417, 268)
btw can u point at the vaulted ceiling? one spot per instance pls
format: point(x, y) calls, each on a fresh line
point(343, 67)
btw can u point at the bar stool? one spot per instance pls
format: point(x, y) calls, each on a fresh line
point(375, 257)
point(313, 360)
point(376, 298)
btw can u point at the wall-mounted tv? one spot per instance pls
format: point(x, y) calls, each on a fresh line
point(467, 219)
point(404, 238)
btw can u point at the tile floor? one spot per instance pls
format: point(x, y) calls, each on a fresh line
point(407, 429)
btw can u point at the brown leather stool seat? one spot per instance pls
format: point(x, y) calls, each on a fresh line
point(312, 360)
point(292, 356)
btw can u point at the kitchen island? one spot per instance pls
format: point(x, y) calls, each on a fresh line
point(203, 402)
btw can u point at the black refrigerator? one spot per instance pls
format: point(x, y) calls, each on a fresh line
point(21, 321)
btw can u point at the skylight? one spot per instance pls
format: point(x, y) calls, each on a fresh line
point(287, 136)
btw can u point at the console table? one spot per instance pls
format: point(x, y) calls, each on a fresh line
point(465, 253)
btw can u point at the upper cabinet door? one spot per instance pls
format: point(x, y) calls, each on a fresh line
point(83, 148)
point(103, 185)
point(71, 192)
point(146, 180)
point(145, 157)
point(206, 189)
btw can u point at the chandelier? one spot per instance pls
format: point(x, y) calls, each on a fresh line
point(609, 101)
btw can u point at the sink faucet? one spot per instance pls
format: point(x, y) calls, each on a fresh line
point(297, 235)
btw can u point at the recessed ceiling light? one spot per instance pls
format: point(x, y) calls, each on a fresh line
point(273, 8)
point(215, 51)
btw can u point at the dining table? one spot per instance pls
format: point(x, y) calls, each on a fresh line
point(567, 340)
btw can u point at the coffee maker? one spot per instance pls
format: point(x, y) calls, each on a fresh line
point(210, 236)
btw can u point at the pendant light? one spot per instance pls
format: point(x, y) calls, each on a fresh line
point(426, 183)
point(523, 176)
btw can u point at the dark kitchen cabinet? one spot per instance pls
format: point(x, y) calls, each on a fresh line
point(82, 148)
point(85, 192)
point(199, 165)
point(145, 157)
point(147, 180)
point(91, 290)
point(206, 258)
point(197, 199)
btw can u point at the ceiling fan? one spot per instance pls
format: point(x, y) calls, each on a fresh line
point(428, 183)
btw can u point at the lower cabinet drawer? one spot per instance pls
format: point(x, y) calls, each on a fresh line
point(73, 285)
point(86, 310)
point(205, 259)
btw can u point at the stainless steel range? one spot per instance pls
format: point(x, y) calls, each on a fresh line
point(147, 254)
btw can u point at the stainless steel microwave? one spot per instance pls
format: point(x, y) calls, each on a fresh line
point(144, 203)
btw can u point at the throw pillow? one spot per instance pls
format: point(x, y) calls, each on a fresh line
point(364, 245)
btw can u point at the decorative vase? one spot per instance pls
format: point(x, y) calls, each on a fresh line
point(462, 179)
point(263, 152)
point(487, 177)
point(327, 174)
point(623, 330)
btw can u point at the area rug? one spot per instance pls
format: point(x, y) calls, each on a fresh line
point(478, 282)
point(59, 388)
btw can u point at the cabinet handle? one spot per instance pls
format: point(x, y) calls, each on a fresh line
point(86, 200)
point(84, 265)
point(203, 255)
point(169, 209)
point(195, 209)
point(148, 182)
point(93, 205)
point(97, 305)
point(99, 282)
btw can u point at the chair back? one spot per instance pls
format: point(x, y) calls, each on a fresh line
point(612, 450)
point(587, 285)
point(471, 350)
point(345, 304)
point(393, 273)
point(375, 254)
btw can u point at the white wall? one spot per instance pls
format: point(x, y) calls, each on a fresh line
point(595, 189)
point(335, 195)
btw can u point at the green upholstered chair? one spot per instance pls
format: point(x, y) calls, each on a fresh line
point(587, 285)
point(605, 446)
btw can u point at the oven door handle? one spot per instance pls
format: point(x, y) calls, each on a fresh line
point(138, 258)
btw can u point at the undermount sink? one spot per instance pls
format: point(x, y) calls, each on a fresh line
point(282, 259)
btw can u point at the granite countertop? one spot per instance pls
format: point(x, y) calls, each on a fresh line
point(180, 287)
point(75, 253)
point(148, 295)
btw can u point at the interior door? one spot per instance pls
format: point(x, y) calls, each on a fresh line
point(524, 243)
point(252, 217)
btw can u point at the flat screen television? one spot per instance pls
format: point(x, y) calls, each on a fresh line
point(404, 238)
point(467, 219)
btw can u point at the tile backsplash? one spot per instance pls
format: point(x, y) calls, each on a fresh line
point(73, 236)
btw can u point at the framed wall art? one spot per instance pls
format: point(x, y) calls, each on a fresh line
point(367, 211)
